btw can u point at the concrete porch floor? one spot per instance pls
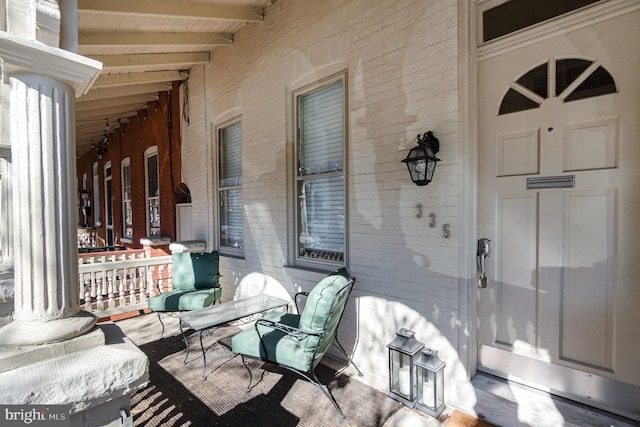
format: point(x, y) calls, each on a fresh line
point(499, 402)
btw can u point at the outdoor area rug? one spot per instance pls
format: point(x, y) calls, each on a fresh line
point(176, 396)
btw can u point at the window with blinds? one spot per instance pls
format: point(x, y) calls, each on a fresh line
point(153, 192)
point(127, 211)
point(320, 184)
point(231, 215)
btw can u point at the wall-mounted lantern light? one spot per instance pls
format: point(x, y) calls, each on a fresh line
point(421, 160)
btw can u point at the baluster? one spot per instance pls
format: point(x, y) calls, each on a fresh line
point(101, 289)
point(133, 298)
point(122, 301)
point(148, 278)
point(111, 302)
point(140, 286)
point(83, 292)
point(92, 281)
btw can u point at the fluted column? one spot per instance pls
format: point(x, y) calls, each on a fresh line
point(47, 305)
point(6, 212)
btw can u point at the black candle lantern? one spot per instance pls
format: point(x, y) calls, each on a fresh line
point(430, 383)
point(402, 353)
point(421, 160)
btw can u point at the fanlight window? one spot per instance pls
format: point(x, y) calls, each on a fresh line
point(574, 79)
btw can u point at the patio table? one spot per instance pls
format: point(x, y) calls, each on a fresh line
point(206, 318)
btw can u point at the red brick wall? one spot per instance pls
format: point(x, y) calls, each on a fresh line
point(159, 126)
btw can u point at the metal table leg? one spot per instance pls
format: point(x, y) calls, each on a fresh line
point(186, 343)
point(204, 359)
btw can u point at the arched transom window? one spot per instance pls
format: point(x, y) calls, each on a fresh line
point(568, 79)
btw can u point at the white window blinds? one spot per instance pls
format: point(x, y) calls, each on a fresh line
point(230, 188)
point(321, 207)
point(127, 209)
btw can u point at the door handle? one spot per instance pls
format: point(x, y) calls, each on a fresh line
point(484, 251)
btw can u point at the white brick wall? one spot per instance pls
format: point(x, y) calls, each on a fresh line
point(402, 59)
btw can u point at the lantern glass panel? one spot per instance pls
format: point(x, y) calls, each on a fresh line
point(401, 372)
point(418, 169)
point(439, 389)
point(426, 388)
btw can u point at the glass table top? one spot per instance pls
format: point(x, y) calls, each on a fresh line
point(230, 311)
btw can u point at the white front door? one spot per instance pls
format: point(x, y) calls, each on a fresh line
point(559, 196)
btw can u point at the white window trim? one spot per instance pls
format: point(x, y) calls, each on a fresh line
point(312, 81)
point(588, 15)
point(108, 213)
point(124, 163)
point(225, 250)
point(96, 196)
point(149, 152)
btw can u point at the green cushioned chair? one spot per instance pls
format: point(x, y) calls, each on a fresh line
point(298, 341)
point(196, 284)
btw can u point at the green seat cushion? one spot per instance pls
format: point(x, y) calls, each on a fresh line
point(195, 270)
point(281, 348)
point(181, 300)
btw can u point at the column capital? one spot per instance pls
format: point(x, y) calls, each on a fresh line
point(22, 55)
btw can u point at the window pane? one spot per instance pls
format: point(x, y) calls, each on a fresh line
point(536, 80)
point(567, 70)
point(126, 202)
point(231, 156)
point(321, 218)
point(321, 131)
point(598, 83)
point(231, 219)
point(517, 14)
point(126, 182)
point(514, 101)
point(152, 170)
point(154, 216)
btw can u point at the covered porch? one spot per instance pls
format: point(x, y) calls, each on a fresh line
point(176, 395)
point(275, 133)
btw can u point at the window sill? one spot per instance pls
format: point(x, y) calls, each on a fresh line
point(306, 273)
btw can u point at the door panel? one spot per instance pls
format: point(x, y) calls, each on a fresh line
point(560, 309)
point(588, 278)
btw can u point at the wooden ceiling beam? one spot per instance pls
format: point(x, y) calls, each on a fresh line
point(172, 9)
point(116, 92)
point(116, 39)
point(128, 79)
point(100, 104)
point(152, 59)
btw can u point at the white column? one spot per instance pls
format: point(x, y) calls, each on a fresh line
point(69, 25)
point(47, 305)
point(6, 213)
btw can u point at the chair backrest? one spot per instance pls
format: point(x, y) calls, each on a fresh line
point(324, 309)
point(195, 270)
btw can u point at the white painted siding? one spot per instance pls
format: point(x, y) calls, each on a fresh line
point(402, 64)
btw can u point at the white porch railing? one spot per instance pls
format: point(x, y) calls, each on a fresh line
point(93, 257)
point(110, 286)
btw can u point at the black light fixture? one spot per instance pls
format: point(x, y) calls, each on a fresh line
point(421, 160)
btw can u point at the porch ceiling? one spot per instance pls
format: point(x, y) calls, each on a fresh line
point(144, 45)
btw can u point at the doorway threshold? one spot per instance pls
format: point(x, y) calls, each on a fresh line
point(510, 404)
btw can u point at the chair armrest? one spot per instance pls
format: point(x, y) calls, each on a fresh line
point(289, 330)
